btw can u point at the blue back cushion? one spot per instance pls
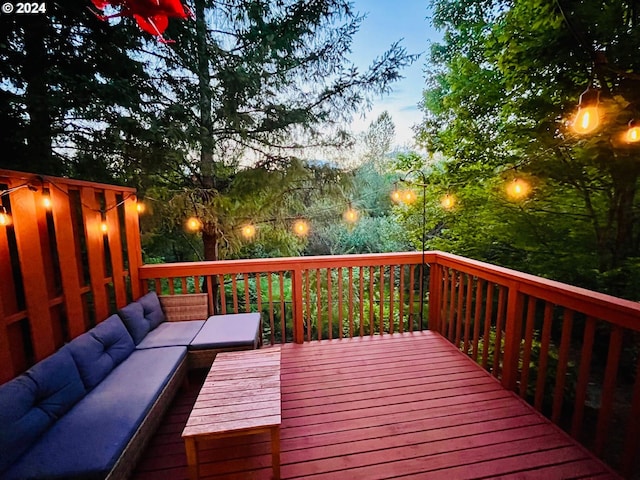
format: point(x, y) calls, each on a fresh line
point(152, 309)
point(133, 317)
point(100, 350)
point(30, 403)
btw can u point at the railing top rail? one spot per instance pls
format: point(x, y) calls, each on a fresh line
point(619, 311)
point(183, 269)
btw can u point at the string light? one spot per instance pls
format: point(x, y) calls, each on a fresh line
point(194, 224)
point(248, 231)
point(104, 228)
point(448, 201)
point(140, 207)
point(5, 218)
point(518, 189)
point(46, 201)
point(588, 117)
point(396, 195)
point(633, 133)
point(351, 215)
point(300, 227)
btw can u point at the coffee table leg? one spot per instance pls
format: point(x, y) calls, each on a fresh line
point(275, 451)
point(192, 457)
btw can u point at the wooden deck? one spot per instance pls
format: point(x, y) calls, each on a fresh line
point(393, 406)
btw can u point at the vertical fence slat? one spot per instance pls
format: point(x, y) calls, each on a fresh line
point(247, 299)
point(8, 367)
point(371, 300)
point(361, 302)
point(68, 255)
point(443, 301)
point(308, 295)
point(563, 359)
point(298, 312)
point(272, 337)
point(452, 308)
point(319, 304)
point(544, 355)
point(583, 376)
point(608, 389)
point(115, 248)
point(467, 317)
point(223, 296)
point(512, 337)
point(134, 248)
point(234, 292)
point(259, 300)
point(391, 296)
point(412, 273)
point(350, 273)
point(283, 313)
point(459, 304)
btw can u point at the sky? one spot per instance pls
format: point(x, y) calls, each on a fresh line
point(388, 21)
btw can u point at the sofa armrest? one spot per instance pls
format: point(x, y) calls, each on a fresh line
point(192, 306)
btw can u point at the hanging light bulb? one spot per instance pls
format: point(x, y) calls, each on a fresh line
point(248, 231)
point(588, 117)
point(301, 227)
point(350, 215)
point(5, 218)
point(633, 133)
point(518, 188)
point(408, 196)
point(46, 201)
point(140, 207)
point(194, 224)
point(448, 201)
point(104, 228)
point(396, 195)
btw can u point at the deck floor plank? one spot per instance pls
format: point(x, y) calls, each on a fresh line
point(396, 406)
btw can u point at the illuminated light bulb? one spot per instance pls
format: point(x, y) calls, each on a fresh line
point(300, 227)
point(633, 134)
point(518, 189)
point(588, 117)
point(5, 218)
point(248, 231)
point(194, 224)
point(350, 216)
point(408, 196)
point(448, 202)
point(104, 228)
point(140, 207)
point(396, 196)
point(46, 201)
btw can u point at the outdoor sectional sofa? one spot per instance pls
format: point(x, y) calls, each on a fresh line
point(88, 410)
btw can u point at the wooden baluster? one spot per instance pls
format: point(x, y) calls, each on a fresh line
point(329, 304)
point(477, 320)
point(497, 348)
point(319, 303)
point(259, 300)
point(544, 355)
point(444, 301)
point(350, 273)
point(371, 300)
point(460, 301)
point(340, 301)
point(563, 359)
point(583, 376)
point(412, 282)
point(234, 292)
point(467, 317)
point(528, 342)
point(608, 389)
point(391, 291)
point(271, 318)
point(308, 295)
point(247, 298)
point(452, 308)
point(361, 301)
point(381, 305)
point(401, 299)
point(184, 285)
point(283, 312)
point(221, 287)
point(196, 283)
point(488, 313)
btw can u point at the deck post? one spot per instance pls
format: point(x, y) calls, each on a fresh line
point(435, 282)
point(296, 293)
point(513, 337)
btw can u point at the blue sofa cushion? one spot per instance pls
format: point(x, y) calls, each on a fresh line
point(88, 440)
point(32, 402)
point(100, 350)
point(152, 309)
point(133, 317)
point(172, 333)
point(233, 330)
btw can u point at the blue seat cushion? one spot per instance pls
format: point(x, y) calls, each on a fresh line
point(100, 350)
point(172, 334)
point(234, 330)
point(88, 440)
point(133, 317)
point(32, 402)
point(152, 309)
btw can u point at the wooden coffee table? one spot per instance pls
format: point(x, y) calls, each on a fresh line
point(240, 396)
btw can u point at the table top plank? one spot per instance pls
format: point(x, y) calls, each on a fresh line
point(240, 393)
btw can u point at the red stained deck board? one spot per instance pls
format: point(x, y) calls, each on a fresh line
point(396, 406)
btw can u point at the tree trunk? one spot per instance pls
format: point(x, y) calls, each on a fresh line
point(39, 133)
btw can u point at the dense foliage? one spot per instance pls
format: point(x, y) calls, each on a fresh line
point(502, 89)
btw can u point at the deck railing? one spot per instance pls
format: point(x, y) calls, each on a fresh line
point(572, 353)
